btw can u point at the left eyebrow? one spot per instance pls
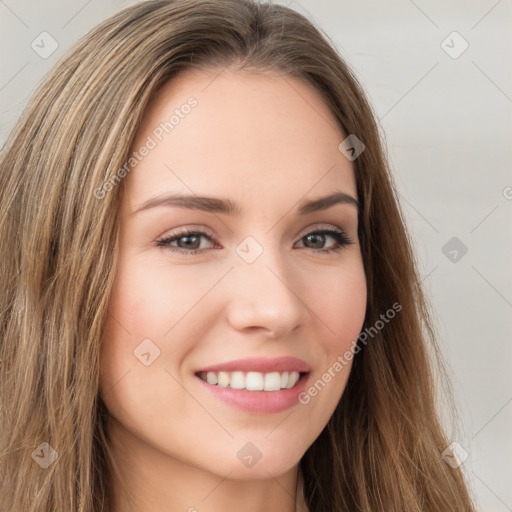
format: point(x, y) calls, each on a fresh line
point(226, 206)
point(323, 203)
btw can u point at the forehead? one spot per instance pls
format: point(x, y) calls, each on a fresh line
point(239, 134)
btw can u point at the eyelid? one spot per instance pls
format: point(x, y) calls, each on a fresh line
point(186, 229)
point(319, 227)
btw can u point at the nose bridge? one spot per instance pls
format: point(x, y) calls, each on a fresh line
point(264, 293)
point(267, 273)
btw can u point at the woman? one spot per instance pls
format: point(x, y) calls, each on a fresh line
point(209, 296)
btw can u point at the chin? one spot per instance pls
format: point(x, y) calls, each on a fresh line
point(246, 466)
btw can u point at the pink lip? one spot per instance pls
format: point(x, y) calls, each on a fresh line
point(260, 402)
point(261, 364)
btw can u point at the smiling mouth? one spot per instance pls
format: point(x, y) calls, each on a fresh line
point(252, 381)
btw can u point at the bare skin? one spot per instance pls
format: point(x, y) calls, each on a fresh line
point(268, 143)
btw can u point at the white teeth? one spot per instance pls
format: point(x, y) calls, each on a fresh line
point(284, 379)
point(272, 381)
point(211, 378)
point(293, 377)
point(237, 380)
point(223, 379)
point(252, 381)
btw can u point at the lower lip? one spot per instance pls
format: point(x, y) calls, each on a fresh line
point(260, 402)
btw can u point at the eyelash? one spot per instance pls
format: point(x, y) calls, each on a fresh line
point(342, 240)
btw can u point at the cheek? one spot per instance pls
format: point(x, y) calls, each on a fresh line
point(339, 301)
point(135, 315)
point(137, 348)
point(340, 305)
point(345, 308)
point(151, 301)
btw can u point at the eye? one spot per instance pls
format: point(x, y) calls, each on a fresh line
point(188, 242)
point(318, 238)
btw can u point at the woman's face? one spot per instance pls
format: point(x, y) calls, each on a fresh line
point(257, 289)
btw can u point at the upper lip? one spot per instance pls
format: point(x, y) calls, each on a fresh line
point(260, 364)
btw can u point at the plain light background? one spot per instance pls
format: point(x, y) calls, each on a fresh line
point(446, 113)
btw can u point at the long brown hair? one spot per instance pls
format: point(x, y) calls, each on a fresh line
point(381, 449)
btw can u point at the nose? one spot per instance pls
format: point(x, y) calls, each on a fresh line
point(266, 296)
